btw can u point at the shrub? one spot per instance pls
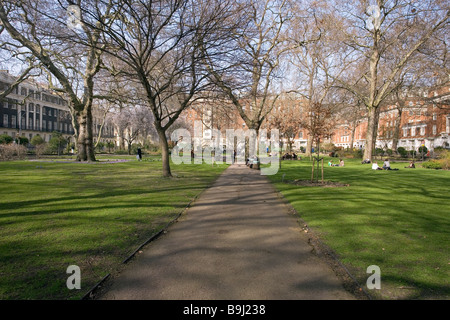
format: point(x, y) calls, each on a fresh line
point(379, 151)
point(402, 151)
point(56, 143)
point(12, 151)
point(389, 152)
point(100, 146)
point(432, 164)
point(443, 162)
point(40, 149)
point(22, 140)
point(5, 139)
point(423, 150)
point(37, 140)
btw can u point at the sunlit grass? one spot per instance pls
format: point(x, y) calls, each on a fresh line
point(398, 220)
point(55, 214)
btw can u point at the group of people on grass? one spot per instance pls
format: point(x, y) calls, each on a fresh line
point(288, 156)
point(340, 164)
point(387, 165)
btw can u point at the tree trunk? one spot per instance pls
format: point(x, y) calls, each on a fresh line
point(396, 135)
point(164, 152)
point(352, 141)
point(85, 142)
point(308, 146)
point(371, 133)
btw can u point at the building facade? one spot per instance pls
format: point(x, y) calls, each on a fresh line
point(32, 110)
point(420, 122)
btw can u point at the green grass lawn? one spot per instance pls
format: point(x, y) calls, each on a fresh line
point(56, 213)
point(397, 220)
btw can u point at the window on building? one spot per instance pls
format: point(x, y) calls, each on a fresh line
point(435, 116)
point(23, 91)
point(5, 120)
point(37, 124)
point(38, 109)
point(13, 121)
point(405, 132)
point(434, 129)
point(31, 107)
point(422, 131)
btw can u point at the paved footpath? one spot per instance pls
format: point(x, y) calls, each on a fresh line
point(237, 242)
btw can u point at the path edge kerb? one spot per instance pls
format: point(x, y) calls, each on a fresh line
point(92, 293)
point(323, 251)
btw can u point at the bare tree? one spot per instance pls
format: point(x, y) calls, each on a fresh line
point(245, 65)
point(69, 55)
point(287, 116)
point(383, 39)
point(157, 44)
point(135, 122)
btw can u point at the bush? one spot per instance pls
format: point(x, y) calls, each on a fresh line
point(423, 150)
point(389, 152)
point(12, 151)
point(100, 146)
point(432, 164)
point(22, 140)
point(37, 140)
point(40, 149)
point(56, 143)
point(402, 151)
point(443, 162)
point(5, 139)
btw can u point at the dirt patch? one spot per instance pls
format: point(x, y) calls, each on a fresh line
point(324, 184)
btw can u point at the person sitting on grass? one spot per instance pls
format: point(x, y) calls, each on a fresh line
point(341, 163)
point(386, 165)
point(375, 166)
point(411, 165)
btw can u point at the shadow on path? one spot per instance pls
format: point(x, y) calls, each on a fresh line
point(236, 242)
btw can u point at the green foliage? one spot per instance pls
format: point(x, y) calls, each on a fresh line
point(432, 164)
point(5, 139)
point(423, 149)
point(402, 151)
point(57, 142)
point(37, 140)
point(443, 161)
point(100, 146)
point(22, 141)
point(389, 152)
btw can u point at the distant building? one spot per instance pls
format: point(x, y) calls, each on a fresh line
point(32, 110)
point(422, 122)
